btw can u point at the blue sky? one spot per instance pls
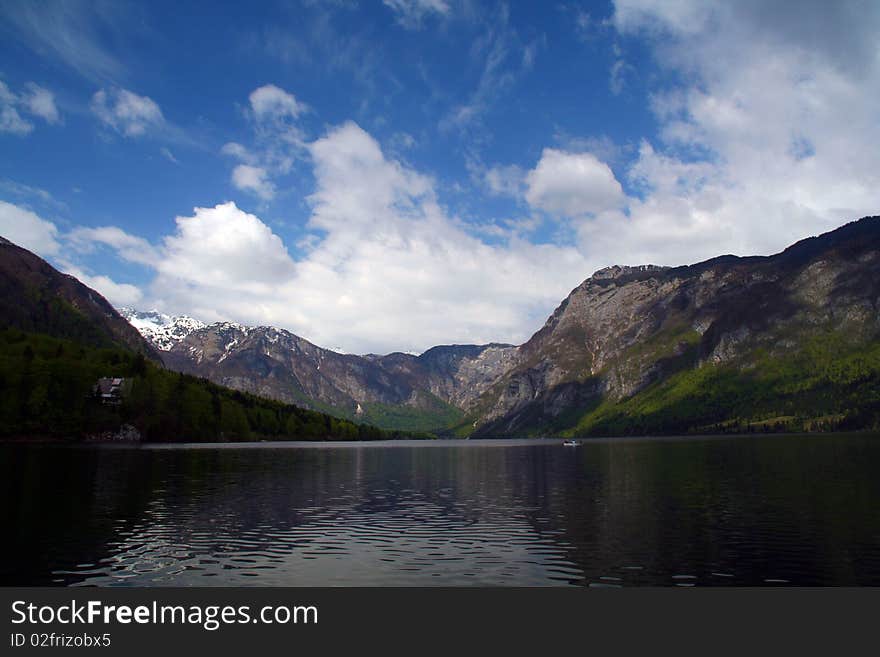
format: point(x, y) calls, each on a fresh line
point(392, 175)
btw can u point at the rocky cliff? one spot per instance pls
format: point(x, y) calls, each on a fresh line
point(400, 391)
point(626, 330)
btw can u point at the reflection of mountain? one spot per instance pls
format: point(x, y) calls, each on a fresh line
point(632, 512)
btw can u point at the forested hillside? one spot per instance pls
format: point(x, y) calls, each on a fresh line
point(46, 391)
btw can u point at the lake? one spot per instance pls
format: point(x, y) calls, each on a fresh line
point(749, 510)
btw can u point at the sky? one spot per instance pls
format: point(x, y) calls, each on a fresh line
point(389, 175)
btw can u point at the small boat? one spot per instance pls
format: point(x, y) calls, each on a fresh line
point(572, 443)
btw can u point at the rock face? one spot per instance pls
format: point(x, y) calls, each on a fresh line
point(626, 328)
point(457, 374)
point(277, 364)
point(36, 297)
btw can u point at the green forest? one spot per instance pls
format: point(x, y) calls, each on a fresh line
point(830, 383)
point(47, 391)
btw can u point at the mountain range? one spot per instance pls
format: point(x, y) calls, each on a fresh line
point(428, 392)
point(783, 342)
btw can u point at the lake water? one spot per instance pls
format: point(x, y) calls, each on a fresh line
point(764, 510)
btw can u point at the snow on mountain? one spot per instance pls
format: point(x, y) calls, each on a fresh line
point(164, 331)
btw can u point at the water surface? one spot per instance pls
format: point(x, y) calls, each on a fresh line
point(763, 510)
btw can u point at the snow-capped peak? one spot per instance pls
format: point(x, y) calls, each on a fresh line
point(164, 331)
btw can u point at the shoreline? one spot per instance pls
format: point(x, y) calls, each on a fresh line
point(49, 441)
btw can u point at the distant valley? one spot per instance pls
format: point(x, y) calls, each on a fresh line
point(429, 392)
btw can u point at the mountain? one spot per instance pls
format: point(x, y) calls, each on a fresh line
point(163, 331)
point(789, 341)
point(36, 297)
point(397, 391)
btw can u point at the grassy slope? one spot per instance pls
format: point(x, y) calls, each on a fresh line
point(829, 382)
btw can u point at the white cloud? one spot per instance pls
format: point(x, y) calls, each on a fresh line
point(11, 121)
point(168, 155)
point(278, 142)
point(225, 248)
point(28, 230)
point(386, 267)
point(254, 180)
point(132, 248)
point(129, 114)
point(505, 180)
point(273, 102)
point(40, 196)
point(118, 294)
point(238, 151)
point(395, 271)
point(35, 101)
point(401, 141)
point(41, 102)
point(411, 13)
point(572, 184)
point(767, 137)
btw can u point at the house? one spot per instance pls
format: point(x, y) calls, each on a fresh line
point(111, 390)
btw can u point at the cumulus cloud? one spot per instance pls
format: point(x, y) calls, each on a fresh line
point(253, 179)
point(28, 230)
point(387, 267)
point(273, 102)
point(224, 247)
point(126, 112)
point(238, 151)
point(572, 184)
point(399, 272)
point(278, 141)
point(34, 101)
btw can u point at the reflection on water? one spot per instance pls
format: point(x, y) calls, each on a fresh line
point(755, 511)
